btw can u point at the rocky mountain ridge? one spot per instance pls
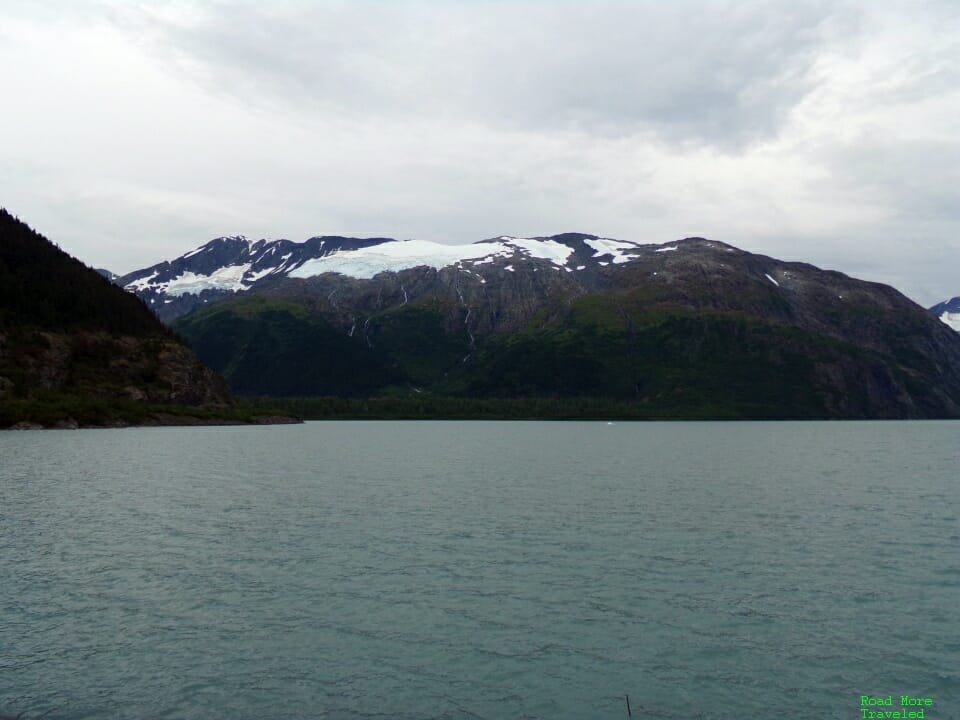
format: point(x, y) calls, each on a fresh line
point(228, 265)
point(694, 324)
point(224, 266)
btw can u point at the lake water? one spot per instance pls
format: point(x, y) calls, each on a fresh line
point(480, 570)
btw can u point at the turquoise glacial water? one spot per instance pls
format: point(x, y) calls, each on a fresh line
point(480, 570)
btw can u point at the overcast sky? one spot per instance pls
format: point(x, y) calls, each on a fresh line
point(827, 131)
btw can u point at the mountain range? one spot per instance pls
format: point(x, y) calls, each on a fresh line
point(690, 328)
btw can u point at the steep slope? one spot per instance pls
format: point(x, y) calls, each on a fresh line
point(693, 328)
point(949, 312)
point(279, 348)
point(74, 346)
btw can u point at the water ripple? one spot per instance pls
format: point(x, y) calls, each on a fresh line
point(478, 570)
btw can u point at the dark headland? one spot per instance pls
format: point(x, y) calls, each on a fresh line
point(78, 351)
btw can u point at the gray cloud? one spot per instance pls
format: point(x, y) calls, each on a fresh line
point(720, 73)
point(820, 131)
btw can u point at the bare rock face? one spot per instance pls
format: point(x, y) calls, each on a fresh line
point(156, 370)
point(186, 380)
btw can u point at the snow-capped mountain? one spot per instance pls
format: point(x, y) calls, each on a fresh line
point(949, 312)
point(224, 266)
point(695, 326)
point(229, 265)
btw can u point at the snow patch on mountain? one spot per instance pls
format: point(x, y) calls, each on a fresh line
point(551, 250)
point(952, 319)
point(142, 284)
point(226, 278)
point(949, 312)
point(260, 274)
point(367, 262)
point(616, 248)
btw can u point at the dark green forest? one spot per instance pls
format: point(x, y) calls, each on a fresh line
point(77, 350)
point(42, 286)
point(587, 363)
